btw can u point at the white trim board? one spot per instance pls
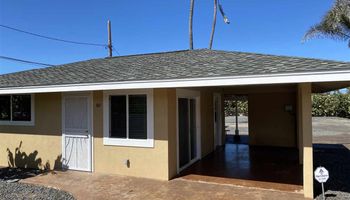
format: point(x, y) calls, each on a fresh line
point(329, 76)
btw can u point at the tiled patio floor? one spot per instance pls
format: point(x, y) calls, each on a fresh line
point(274, 168)
point(100, 186)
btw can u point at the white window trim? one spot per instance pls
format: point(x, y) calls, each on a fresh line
point(107, 140)
point(21, 123)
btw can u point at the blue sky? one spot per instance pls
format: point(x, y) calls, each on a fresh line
point(270, 26)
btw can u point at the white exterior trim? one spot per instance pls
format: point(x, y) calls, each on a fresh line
point(190, 82)
point(149, 142)
point(22, 123)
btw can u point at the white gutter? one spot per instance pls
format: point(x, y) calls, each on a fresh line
point(331, 76)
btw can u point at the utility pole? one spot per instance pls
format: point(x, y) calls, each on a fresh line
point(213, 25)
point(110, 47)
point(216, 3)
point(191, 24)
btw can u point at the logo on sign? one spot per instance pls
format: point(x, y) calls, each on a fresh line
point(321, 174)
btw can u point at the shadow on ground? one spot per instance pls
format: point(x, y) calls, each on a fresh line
point(336, 159)
point(23, 165)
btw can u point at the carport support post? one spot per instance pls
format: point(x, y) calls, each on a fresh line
point(305, 137)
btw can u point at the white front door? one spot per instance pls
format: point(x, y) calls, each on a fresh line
point(76, 136)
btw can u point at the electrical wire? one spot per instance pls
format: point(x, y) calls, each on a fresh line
point(113, 49)
point(52, 38)
point(24, 61)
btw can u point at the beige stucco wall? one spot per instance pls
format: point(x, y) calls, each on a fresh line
point(144, 162)
point(207, 121)
point(269, 123)
point(40, 145)
point(172, 140)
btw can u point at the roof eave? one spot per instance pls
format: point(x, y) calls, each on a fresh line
point(309, 77)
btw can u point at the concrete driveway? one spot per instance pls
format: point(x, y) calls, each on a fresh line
point(101, 186)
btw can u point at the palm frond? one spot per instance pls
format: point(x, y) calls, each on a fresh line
point(325, 31)
point(335, 24)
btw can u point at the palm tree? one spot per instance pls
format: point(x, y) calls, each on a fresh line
point(214, 21)
point(335, 24)
point(191, 23)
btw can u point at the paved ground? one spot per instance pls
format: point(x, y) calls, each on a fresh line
point(331, 130)
point(101, 186)
point(331, 138)
point(230, 123)
point(325, 126)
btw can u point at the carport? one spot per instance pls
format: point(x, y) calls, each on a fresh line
point(279, 154)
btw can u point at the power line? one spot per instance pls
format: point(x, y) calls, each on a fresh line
point(52, 38)
point(113, 49)
point(24, 61)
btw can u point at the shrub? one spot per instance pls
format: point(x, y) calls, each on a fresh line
point(331, 105)
point(230, 108)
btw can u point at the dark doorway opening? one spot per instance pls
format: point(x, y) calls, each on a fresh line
point(236, 119)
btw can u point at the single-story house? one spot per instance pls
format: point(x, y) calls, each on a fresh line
point(153, 115)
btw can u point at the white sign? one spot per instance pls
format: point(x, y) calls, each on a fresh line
point(321, 174)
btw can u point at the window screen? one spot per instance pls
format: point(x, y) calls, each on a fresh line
point(5, 108)
point(118, 116)
point(138, 117)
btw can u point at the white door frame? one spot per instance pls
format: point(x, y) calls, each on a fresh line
point(191, 94)
point(217, 133)
point(90, 122)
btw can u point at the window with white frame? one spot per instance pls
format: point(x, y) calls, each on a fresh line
point(16, 110)
point(128, 118)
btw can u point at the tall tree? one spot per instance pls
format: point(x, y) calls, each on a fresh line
point(191, 24)
point(335, 24)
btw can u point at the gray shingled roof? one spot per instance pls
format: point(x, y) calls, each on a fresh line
point(168, 65)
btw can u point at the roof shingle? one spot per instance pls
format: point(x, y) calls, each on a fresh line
point(200, 63)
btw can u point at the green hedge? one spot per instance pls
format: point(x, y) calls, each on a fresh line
point(230, 108)
point(331, 105)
